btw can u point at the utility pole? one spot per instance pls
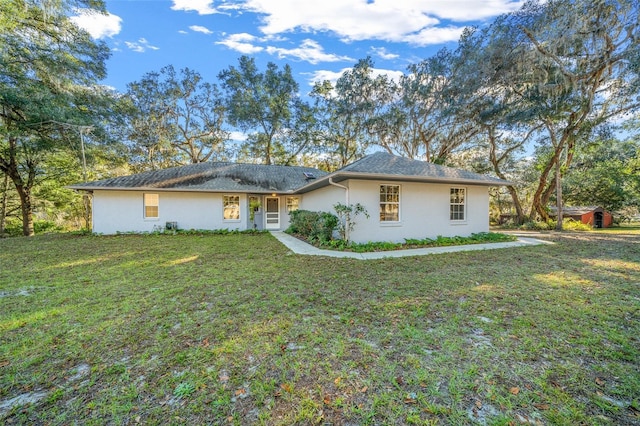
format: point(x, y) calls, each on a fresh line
point(81, 130)
point(85, 196)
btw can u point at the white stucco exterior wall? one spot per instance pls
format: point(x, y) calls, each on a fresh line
point(123, 211)
point(424, 211)
point(323, 199)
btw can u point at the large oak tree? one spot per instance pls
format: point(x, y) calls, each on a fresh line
point(267, 107)
point(175, 118)
point(48, 73)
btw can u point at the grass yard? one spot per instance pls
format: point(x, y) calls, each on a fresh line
point(232, 329)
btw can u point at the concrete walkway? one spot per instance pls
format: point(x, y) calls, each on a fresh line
point(300, 247)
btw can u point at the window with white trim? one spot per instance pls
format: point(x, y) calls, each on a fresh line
point(389, 203)
point(231, 207)
point(457, 204)
point(293, 204)
point(151, 206)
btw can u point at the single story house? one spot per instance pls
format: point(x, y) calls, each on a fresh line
point(595, 216)
point(405, 198)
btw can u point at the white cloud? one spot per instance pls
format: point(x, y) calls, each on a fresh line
point(384, 53)
point(434, 35)
point(203, 7)
point(97, 24)
point(309, 51)
point(321, 75)
point(238, 136)
point(140, 46)
point(200, 29)
point(243, 43)
point(412, 21)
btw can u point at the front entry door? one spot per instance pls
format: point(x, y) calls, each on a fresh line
point(272, 213)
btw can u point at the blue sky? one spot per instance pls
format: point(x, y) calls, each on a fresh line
point(318, 39)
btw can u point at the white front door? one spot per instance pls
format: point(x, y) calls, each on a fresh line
point(272, 213)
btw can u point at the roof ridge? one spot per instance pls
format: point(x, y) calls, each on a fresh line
point(260, 165)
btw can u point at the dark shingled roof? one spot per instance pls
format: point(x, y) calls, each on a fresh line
point(388, 164)
point(382, 165)
point(213, 177)
point(233, 177)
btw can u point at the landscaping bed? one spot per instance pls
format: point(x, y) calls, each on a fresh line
point(479, 238)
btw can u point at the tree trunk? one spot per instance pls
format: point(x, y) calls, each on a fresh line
point(537, 206)
point(3, 203)
point(558, 197)
point(516, 204)
point(86, 207)
point(556, 181)
point(268, 147)
point(27, 210)
point(495, 161)
point(11, 169)
point(541, 196)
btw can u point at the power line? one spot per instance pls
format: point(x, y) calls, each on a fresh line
point(81, 130)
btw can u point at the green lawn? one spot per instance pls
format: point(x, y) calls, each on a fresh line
point(233, 329)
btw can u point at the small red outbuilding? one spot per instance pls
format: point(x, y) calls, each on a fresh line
point(591, 215)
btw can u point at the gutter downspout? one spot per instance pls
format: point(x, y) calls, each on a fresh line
point(346, 192)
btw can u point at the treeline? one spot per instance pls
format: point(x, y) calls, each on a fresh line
point(546, 97)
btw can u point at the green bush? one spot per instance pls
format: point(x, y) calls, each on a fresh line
point(314, 226)
point(160, 231)
point(42, 226)
point(574, 225)
point(13, 227)
point(538, 226)
point(478, 238)
point(567, 224)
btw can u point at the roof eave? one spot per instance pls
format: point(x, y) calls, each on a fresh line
point(154, 189)
point(341, 176)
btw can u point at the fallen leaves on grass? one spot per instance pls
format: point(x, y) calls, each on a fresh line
point(411, 398)
point(514, 390)
point(286, 387)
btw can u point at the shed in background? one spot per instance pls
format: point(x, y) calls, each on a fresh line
point(595, 216)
